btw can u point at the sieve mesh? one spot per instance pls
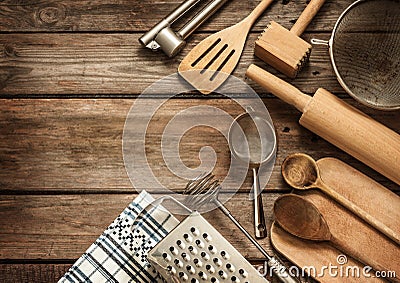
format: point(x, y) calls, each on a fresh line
point(366, 52)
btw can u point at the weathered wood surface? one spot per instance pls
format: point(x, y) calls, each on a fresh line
point(139, 16)
point(62, 177)
point(116, 64)
point(63, 227)
point(75, 145)
point(31, 272)
point(52, 272)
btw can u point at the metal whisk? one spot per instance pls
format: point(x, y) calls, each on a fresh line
point(205, 190)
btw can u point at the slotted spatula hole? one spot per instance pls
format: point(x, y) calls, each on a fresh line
point(206, 52)
point(214, 58)
point(222, 64)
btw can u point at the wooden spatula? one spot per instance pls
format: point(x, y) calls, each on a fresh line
point(209, 64)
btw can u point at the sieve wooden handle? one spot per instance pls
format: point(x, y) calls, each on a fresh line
point(278, 87)
point(306, 17)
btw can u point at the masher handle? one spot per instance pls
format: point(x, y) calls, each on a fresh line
point(306, 17)
point(257, 12)
point(278, 87)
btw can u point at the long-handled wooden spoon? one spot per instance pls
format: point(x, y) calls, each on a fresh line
point(301, 172)
point(316, 218)
point(210, 62)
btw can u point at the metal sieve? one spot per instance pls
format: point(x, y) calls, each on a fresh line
point(365, 52)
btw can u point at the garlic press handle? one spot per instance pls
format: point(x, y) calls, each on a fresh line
point(148, 38)
point(200, 18)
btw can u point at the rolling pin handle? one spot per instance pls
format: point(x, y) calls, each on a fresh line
point(278, 87)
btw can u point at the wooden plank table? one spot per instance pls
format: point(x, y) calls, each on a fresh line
point(69, 73)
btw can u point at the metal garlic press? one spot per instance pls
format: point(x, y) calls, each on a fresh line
point(161, 36)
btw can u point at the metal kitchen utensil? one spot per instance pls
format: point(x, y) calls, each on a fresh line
point(205, 190)
point(252, 140)
point(365, 52)
point(339, 123)
point(301, 172)
point(283, 49)
point(161, 36)
point(196, 252)
point(213, 59)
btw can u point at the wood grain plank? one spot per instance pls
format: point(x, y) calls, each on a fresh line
point(44, 273)
point(64, 226)
point(58, 145)
point(52, 272)
point(116, 64)
point(139, 16)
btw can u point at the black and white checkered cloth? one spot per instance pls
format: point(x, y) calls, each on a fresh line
point(120, 253)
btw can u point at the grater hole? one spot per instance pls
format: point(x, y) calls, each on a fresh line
point(212, 249)
point(217, 261)
point(190, 269)
point(224, 254)
point(187, 237)
point(243, 272)
point(206, 237)
point(193, 250)
point(230, 267)
point(185, 256)
point(222, 274)
point(194, 231)
point(199, 243)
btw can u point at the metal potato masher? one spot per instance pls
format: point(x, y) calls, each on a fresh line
point(161, 36)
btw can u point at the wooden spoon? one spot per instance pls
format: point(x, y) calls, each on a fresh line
point(301, 218)
point(301, 172)
point(305, 218)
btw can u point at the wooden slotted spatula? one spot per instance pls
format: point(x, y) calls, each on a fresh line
point(211, 62)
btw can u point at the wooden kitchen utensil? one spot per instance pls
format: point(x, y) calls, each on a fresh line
point(339, 123)
point(366, 193)
point(358, 188)
point(305, 254)
point(301, 172)
point(283, 49)
point(209, 64)
point(313, 216)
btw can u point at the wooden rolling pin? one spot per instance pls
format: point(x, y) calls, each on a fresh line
point(339, 123)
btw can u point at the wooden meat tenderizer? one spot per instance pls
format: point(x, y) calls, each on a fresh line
point(339, 123)
point(283, 49)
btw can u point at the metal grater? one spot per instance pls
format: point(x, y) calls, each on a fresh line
point(196, 252)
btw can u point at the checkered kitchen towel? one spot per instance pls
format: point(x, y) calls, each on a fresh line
point(119, 254)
